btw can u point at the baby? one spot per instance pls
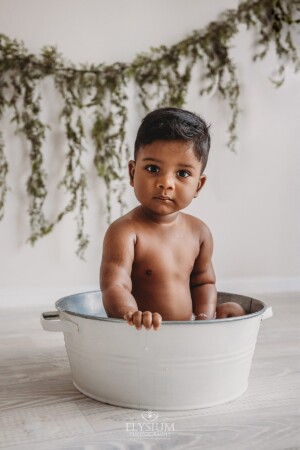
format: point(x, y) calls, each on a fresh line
point(156, 262)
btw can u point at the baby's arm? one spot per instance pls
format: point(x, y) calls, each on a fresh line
point(115, 278)
point(202, 281)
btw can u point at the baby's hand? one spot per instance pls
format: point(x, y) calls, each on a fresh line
point(146, 318)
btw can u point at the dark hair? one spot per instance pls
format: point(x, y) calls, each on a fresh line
point(175, 124)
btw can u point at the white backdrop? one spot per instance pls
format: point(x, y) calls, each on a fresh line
point(251, 199)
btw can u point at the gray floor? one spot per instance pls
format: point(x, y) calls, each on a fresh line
point(40, 408)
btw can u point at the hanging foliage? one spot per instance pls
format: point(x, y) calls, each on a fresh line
point(162, 77)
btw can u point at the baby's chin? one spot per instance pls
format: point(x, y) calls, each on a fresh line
point(160, 215)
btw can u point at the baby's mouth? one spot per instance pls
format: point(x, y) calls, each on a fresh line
point(163, 198)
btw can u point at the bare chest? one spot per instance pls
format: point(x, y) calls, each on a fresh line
point(165, 254)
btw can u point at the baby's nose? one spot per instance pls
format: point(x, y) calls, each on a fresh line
point(166, 183)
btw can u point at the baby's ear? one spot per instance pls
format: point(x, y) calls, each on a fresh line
point(131, 170)
point(201, 183)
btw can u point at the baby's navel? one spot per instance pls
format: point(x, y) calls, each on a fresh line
point(148, 272)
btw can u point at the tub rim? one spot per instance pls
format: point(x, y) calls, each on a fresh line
point(164, 322)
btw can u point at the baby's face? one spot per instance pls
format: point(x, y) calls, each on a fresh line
point(166, 176)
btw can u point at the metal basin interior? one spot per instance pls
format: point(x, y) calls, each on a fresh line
point(89, 305)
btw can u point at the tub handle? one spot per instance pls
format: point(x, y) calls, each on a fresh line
point(50, 321)
point(268, 313)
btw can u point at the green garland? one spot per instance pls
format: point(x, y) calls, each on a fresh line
point(161, 76)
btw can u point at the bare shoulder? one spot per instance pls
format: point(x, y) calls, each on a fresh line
point(123, 228)
point(118, 245)
point(118, 254)
point(198, 227)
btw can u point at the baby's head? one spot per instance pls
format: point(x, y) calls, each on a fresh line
point(174, 124)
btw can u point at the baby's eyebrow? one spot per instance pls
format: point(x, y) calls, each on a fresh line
point(188, 166)
point(151, 159)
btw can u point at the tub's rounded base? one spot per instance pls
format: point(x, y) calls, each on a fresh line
point(160, 407)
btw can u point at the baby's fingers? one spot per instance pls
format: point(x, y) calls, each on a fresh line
point(128, 317)
point(137, 319)
point(147, 319)
point(156, 320)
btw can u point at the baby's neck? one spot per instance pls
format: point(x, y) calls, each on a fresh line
point(160, 219)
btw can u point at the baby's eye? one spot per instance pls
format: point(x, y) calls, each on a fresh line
point(183, 173)
point(152, 168)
